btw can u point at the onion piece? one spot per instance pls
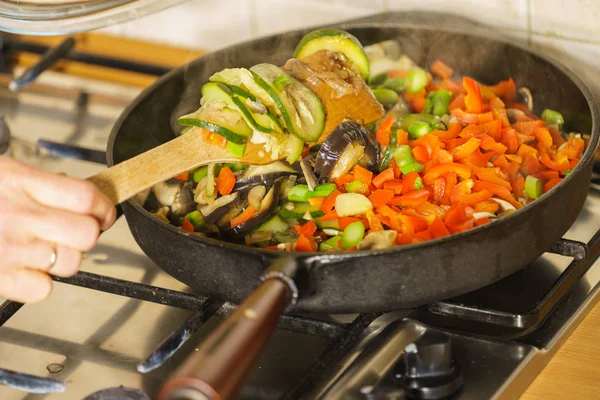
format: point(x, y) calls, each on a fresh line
point(220, 202)
point(484, 214)
point(504, 205)
point(255, 196)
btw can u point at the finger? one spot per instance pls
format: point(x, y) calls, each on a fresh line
point(37, 254)
point(70, 194)
point(25, 285)
point(67, 262)
point(79, 232)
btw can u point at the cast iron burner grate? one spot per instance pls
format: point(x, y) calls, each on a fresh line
point(341, 336)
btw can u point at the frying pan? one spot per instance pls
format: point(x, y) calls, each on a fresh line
point(363, 281)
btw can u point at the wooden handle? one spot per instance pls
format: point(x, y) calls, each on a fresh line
point(126, 179)
point(219, 367)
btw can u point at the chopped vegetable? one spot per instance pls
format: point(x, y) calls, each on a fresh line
point(449, 155)
point(418, 129)
point(353, 234)
point(347, 204)
point(243, 217)
point(533, 187)
point(552, 117)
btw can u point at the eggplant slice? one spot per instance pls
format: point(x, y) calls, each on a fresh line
point(349, 144)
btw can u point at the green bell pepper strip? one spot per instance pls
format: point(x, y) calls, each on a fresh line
point(356, 187)
point(196, 219)
point(405, 160)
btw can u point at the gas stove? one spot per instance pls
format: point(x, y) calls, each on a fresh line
point(119, 327)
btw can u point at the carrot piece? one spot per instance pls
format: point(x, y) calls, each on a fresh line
point(573, 148)
point(441, 69)
point(306, 244)
point(457, 103)
point(557, 138)
point(500, 115)
point(383, 131)
point(550, 184)
point(329, 202)
point(546, 176)
point(454, 143)
point(184, 176)
point(243, 217)
point(543, 137)
point(474, 198)
point(487, 206)
point(384, 176)
point(450, 185)
point(362, 174)
point(187, 225)
point(473, 100)
point(298, 229)
point(423, 236)
point(488, 143)
point(491, 128)
point(501, 162)
point(345, 221)
point(411, 199)
point(402, 136)
point(527, 128)
point(561, 164)
point(309, 228)
point(330, 216)
point(509, 139)
point(518, 185)
point(225, 181)
point(420, 154)
point(465, 149)
point(464, 171)
point(438, 229)
point(408, 182)
point(460, 189)
point(380, 197)
point(493, 175)
point(439, 189)
point(498, 190)
point(416, 100)
point(394, 185)
point(374, 223)
point(343, 180)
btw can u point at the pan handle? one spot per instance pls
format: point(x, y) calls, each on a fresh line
point(221, 364)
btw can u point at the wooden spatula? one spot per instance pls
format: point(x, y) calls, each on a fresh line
point(190, 150)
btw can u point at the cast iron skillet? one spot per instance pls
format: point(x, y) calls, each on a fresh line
point(364, 281)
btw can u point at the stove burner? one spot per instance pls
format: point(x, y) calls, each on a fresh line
point(427, 369)
point(119, 393)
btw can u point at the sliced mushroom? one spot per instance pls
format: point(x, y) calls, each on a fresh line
point(162, 213)
point(311, 179)
point(484, 214)
point(505, 207)
point(526, 97)
point(255, 196)
point(512, 114)
point(220, 202)
point(348, 144)
point(184, 201)
point(166, 192)
point(267, 208)
point(378, 240)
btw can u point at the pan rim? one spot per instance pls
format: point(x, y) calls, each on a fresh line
point(334, 257)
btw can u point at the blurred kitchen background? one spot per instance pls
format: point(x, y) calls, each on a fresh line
point(570, 27)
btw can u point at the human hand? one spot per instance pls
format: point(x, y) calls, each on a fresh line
point(46, 221)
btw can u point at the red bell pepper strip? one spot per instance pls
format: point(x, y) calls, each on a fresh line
point(473, 100)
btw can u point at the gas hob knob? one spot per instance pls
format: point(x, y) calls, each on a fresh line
point(427, 369)
point(430, 355)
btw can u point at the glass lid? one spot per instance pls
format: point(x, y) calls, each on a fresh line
point(56, 17)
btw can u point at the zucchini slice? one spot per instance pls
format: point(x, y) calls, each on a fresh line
point(243, 79)
point(214, 91)
point(300, 108)
point(335, 40)
point(218, 118)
